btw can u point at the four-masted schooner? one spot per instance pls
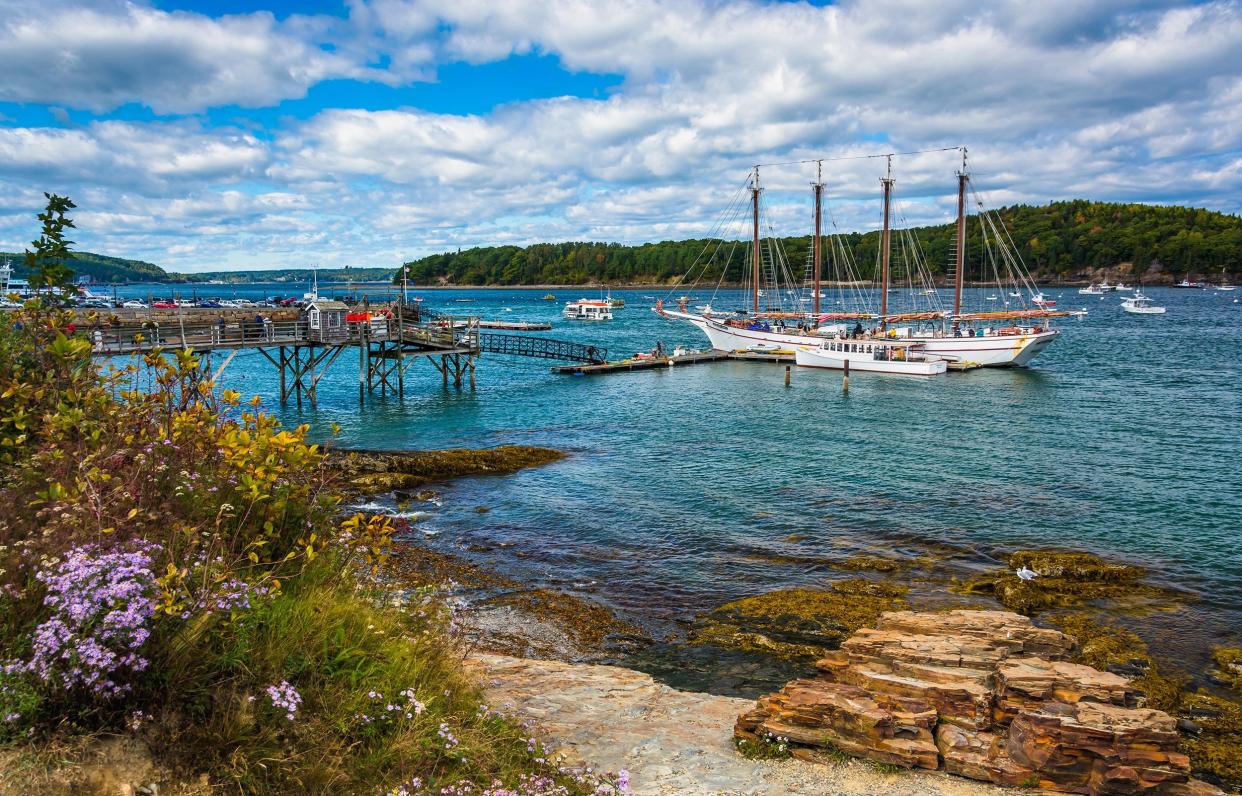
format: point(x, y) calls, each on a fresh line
point(873, 337)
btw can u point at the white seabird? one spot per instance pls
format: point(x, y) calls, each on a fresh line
point(1026, 573)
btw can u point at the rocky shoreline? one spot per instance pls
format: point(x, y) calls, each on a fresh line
point(1074, 594)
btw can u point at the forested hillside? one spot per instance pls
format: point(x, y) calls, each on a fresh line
point(1061, 240)
point(101, 268)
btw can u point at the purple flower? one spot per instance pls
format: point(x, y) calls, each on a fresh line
point(101, 606)
point(285, 697)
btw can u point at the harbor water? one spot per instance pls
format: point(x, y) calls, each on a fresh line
point(686, 487)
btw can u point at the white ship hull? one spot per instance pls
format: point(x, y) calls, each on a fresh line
point(808, 357)
point(995, 351)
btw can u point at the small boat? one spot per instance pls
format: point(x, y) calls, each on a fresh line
point(1092, 290)
point(589, 310)
point(1107, 288)
point(1123, 286)
point(905, 357)
point(1225, 287)
point(1186, 284)
point(549, 297)
point(1015, 294)
point(617, 302)
point(1039, 301)
point(991, 298)
point(1141, 305)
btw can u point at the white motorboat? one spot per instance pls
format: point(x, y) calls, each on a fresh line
point(1225, 287)
point(904, 357)
point(1141, 305)
point(1123, 286)
point(589, 310)
point(1092, 290)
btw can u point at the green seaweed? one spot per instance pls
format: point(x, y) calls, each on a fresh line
point(1068, 579)
point(799, 623)
point(869, 563)
point(371, 472)
point(1228, 662)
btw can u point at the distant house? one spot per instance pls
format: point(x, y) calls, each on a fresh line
point(325, 320)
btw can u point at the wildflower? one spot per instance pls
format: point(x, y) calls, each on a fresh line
point(285, 697)
point(101, 604)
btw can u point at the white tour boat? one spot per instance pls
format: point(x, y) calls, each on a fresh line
point(873, 355)
point(589, 310)
point(1141, 305)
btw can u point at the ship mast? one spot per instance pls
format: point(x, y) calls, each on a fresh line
point(887, 182)
point(819, 194)
point(754, 285)
point(959, 262)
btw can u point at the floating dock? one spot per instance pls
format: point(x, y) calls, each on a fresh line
point(516, 326)
point(653, 363)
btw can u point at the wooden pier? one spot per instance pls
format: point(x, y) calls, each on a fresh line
point(302, 350)
point(653, 363)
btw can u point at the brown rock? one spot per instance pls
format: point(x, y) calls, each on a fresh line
point(997, 628)
point(825, 714)
point(987, 695)
point(1023, 683)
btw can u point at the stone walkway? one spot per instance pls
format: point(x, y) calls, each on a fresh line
point(674, 742)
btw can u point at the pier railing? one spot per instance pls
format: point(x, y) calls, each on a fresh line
point(130, 340)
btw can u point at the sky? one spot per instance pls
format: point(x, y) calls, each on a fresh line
point(231, 135)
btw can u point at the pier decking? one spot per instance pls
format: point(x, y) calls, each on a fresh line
point(695, 358)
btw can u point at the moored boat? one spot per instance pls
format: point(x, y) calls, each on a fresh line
point(903, 357)
point(1007, 337)
point(589, 310)
point(1139, 304)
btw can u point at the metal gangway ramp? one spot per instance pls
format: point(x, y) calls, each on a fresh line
point(540, 348)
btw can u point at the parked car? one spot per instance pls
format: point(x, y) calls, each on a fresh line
point(134, 304)
point(164, 305)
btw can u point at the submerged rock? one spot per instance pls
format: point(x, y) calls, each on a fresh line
point(1065, 580)
point(982, 694)
point(372, 472)
point(798, 623)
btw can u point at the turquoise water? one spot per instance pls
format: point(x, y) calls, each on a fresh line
point(683, 485)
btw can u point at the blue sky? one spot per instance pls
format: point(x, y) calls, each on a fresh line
point(232, 135)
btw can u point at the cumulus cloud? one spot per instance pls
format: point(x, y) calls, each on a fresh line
point(1118, 99)
point(99, 56)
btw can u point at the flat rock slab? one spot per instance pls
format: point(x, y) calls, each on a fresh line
point(674, 742)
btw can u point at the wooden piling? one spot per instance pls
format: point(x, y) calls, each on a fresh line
point(787, 372)
point(845, 385)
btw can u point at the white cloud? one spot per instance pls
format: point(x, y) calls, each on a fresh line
point(1110, 100)
point(100, 56)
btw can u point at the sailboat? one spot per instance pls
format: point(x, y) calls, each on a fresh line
point(1010, 337)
